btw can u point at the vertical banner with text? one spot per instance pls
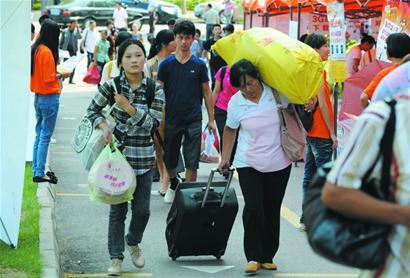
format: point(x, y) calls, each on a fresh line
point(337, 30)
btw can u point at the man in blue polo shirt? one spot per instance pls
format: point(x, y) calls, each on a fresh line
point(185, 81)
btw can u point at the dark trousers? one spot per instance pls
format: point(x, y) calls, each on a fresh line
point(151, 22)
point(209, 28)
point(263, 194)
point(90, 58)
point(220, 119)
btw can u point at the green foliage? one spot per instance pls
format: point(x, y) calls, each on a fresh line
point(190, 4)
point(25, 260)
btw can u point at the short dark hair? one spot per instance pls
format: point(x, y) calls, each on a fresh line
point(303, 37)
point(209, 5)
point(185, 27)
point(124, 46)
point(216, 25)
point(104, 32)
point(368, 39)
point(315, 40)
point(73, 21)
point(229, 28)
point(198, 32)
point(42, 18)
point(240, 69)
point(108, 22)
point(33, 29)
point(122, 37)
point(171, 22)
point(398, 45)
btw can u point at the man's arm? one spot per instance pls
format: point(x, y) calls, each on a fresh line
point(206, 91)
point(351, 202)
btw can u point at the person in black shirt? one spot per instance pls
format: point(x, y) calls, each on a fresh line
point(215, 61)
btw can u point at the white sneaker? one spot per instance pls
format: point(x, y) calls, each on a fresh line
point(116, 267)
point(302, 227)
point(52, 140)
point(136, 255)
point(169, 196)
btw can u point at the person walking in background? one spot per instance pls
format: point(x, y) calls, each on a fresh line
point(111, 69)
point(395, 82)
point(171, 24)
point(321, 140)
point(211, 18)
point(136, 34)
point(90, 39)
point(120, 16)
point(132, 114)
point(221, 96)
point(152, 7)
point(228, 11)
point(111, 35)
point(342, 193)
point(215, 61)
point(355, 54)
point(101, 51)
point(185, 81)
point(197, 46)
point(398, 46)
point(262, 165)
point(46, 84)
point(69, 42)
point(164, 44)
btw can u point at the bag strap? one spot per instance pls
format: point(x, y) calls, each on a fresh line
point(110, 65)
point(223, 72)
point(386, 151)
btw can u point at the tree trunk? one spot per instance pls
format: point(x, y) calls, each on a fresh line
point(183, 8)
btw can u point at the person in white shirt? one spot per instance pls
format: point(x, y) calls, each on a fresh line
point(90, 39)
point(120, 16)
point(355, 54)
point(211, 18)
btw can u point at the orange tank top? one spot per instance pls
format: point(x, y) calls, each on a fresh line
point(319, 128)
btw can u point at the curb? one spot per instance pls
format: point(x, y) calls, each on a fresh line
point(49, 252)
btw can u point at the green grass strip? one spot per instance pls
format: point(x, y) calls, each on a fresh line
point(25, 260)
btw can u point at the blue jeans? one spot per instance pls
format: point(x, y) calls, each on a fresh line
point(318, 152)
point(46, 107)
point(140, 214)
point(90, 58)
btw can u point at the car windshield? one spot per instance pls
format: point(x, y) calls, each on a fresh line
point(75, 3)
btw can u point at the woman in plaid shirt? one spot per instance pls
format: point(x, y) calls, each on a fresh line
point(135, 122)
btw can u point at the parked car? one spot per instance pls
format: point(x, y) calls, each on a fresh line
point(201, 8)
point(165, 11)
point(85, 10)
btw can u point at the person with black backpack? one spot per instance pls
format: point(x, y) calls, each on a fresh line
point(139, 102)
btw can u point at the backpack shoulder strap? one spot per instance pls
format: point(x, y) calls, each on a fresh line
point(117, 88)
point(223, 72)
point(150, 92)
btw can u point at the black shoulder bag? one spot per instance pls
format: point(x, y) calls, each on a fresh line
point(344, 240)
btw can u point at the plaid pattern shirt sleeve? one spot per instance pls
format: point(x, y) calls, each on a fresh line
point(134, 132)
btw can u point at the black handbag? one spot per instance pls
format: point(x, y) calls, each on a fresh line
point(344, 240)
point(306, 117)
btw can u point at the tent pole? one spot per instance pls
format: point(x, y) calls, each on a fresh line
point(335, 110)
point(291, 13)
point(299, 15)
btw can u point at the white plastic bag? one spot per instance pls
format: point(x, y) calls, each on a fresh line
point(209, 142)
point(111, 179)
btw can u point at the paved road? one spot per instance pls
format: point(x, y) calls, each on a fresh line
point(82, 225)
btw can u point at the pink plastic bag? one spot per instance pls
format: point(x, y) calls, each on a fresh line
point(93, 75)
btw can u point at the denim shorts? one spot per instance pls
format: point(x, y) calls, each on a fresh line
point(191, 145)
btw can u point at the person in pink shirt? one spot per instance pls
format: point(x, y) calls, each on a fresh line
point(221, 95)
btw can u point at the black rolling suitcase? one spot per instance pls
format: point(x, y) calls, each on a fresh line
point(201, 218)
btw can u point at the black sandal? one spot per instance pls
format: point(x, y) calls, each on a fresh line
point(50, 174)
point(52, 180)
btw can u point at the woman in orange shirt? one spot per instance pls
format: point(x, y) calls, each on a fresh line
point(321, 139)
point(398, 46)
point(45, 83)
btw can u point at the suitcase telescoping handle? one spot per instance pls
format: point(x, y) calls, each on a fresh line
point(208, 185)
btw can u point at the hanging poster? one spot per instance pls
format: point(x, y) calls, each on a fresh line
point(337, 30)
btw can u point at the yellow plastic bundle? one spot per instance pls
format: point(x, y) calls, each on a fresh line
point(291, 67)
